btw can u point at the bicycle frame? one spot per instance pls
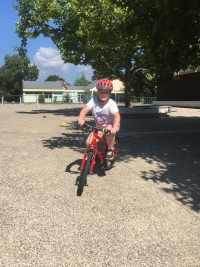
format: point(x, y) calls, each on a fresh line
point(91, 152)
point(94, 147)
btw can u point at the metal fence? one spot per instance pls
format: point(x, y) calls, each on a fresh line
point(72, 97)
point(143, 100)
point(11, 99)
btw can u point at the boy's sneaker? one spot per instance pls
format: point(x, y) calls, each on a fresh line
point(110, 154)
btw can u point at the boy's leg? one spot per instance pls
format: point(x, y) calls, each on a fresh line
point(90, 136)
point(89, 139)
point(110, 139)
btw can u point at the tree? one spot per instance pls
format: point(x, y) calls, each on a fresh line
point(81, 81)
point(13, 72)
point(88, 32)
point(66, 98)
point(143, 84)
point(118, 38)
point(169, 33)
point(41, 98)
point(54, 78)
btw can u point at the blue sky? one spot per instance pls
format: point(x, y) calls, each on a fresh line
point(41, 51)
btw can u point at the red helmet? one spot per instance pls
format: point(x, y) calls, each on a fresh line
point(104, 84)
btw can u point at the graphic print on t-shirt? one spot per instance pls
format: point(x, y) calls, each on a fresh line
point(100, 120)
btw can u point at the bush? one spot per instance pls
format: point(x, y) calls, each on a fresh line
point(66, 98)
point(54, 99)
point(41, 98)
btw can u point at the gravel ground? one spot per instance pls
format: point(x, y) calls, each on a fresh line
point(143, 212)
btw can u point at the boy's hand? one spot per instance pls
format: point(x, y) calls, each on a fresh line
point(113, 131)
point(82, 114)
point(81, 122)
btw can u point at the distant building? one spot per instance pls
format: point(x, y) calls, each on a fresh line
point(185, 87)
point(54, 91)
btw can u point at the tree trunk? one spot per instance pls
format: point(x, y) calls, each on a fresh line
point(127, 82)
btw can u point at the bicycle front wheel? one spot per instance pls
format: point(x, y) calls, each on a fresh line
point(84, 173)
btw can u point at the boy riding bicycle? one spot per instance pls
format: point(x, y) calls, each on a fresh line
point(105, 113)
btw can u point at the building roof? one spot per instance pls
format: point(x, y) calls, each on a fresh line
point(30, 86)
point(42, 85)
point(73, 87)
point(118, 86)
point(91, 85)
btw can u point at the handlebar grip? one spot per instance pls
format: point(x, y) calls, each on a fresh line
point(107, 132)
point(91, 128)
point(87, 127)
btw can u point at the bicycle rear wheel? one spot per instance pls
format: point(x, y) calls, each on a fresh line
point(116, 144)
point(83, 178)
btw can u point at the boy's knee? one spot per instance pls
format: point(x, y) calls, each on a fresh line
point(109, 126)
point(87, 142)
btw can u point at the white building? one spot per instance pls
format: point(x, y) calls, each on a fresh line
point(54, 91)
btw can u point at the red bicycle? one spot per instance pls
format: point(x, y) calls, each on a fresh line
point(93, 154)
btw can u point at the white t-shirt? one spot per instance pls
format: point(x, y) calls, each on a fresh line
point(103, 116)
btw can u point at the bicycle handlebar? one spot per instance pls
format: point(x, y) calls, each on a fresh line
point(91, 128)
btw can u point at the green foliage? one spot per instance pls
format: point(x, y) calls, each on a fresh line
point(41, 98)
point(66, 98)
point(82, 81)
point(4, 93)
point(143, 84)
point(54, 99)
point(54, 78)
point(169, 33)
point(100, 34)
point(97, 75)
point(14, 71)
point(118, 38)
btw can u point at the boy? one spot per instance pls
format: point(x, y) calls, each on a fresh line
point(105, 113)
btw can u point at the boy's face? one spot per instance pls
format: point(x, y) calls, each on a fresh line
point(104, 95)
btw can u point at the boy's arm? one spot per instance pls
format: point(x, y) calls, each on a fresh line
point(82, 114)
point(116, 123)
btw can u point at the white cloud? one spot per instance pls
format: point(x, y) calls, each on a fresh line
point(86, 70)
point(49, 62)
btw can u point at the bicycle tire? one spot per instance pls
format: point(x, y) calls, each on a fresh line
point(84, 173)
point(117, 142)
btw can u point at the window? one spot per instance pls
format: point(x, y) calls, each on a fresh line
point(80, 98)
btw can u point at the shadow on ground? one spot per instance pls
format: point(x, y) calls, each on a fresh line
point(170, 160)
point(98, 169)
point(177, 161)
point(63, 112)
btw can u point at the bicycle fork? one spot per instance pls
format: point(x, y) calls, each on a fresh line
point(91, 162)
